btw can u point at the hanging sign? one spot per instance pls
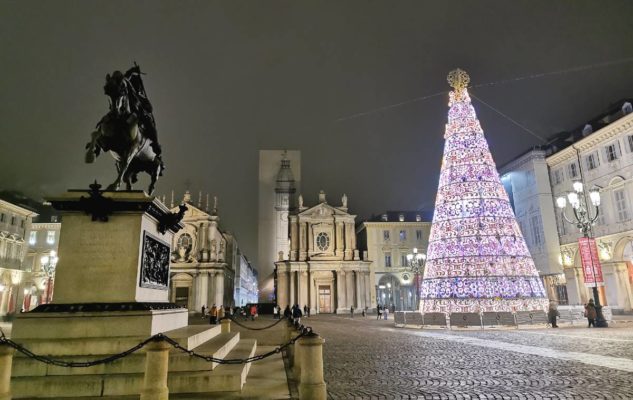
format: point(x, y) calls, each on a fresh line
point(591, 268)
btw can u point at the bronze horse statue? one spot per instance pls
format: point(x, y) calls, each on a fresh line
point(128, 131)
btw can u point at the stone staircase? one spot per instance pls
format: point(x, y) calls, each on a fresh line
point(187, 374)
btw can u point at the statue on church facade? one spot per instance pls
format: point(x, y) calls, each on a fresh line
point(300, 201)
point(128, 131)
point(344, 200)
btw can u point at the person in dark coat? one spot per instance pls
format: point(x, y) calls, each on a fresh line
point(553, 313)
point(591, 313)
point(296, 315)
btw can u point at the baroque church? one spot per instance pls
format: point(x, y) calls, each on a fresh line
point(322, 268)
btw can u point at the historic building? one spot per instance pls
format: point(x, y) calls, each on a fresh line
point(246, 284)
point(202, 264)
point(42, 254)
point(601, 157)
point(279, 181)
point(526, 179)
point(18, 290)
point(323, 269)
point(385, 240)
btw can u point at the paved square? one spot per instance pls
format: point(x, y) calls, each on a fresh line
point(369, 359)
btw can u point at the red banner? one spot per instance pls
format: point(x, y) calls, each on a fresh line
point(591, 267)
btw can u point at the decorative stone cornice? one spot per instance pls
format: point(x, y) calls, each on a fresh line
point(600, 136)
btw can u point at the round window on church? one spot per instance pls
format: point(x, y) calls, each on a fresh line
point(323, 241)
point(185, 241)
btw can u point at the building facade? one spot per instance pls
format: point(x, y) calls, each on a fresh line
point(386, 240)
point(279, 181)
point(602, 159)
point(42, 256)
point(323, 270)
point(18, 289)
point(526, 179)
point(246, 284)
point(201, 272)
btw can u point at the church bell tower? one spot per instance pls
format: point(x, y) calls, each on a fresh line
point(284, 200)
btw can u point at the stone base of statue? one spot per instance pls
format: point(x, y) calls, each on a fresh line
point(111, 293)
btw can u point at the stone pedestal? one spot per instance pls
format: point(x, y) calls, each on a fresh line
point(112, 279)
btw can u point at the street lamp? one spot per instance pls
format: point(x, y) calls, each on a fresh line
point(49, 262)
point(416, 262)
point(583, 220)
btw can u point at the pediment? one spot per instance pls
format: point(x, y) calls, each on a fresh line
point(193, 212)
point(323, 210)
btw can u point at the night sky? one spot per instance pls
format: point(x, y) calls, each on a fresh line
point(229, 78)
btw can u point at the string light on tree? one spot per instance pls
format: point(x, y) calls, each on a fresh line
point(477, 259)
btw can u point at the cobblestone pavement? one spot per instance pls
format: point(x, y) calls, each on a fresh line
point(370, 359)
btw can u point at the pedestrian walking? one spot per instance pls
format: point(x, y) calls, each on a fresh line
point(275, 312)
point(296, 315)
point(351, 311)
point(306, 311)
point(213, 315)
point(385, 313)
point(591, 313)
point(204, 308)
point(378, 312)
point(253, 312)
point(553, 313)
point(220, 312)
point(288, 313)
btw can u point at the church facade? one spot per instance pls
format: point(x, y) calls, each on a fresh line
point(323, 269)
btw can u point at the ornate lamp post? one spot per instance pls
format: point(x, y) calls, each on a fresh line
point(416, 262)
point(583, 220)
point(49, 262)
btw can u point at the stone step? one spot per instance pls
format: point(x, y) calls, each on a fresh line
point(225, 378)
point(218, 347)
point(189, 337)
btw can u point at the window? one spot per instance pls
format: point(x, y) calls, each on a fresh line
point(387, 259)
point(2, 217)
point(13, 220)
point(32, 237)
point(562, 227)
point(21, 223)
point(418, 218)
point(50, 237)
point(385, 235)
point(611, 152)
point(418, 234)
point(537, 238)
point(630, 142)
point(592, 161)
point(401, 217)
point(573, 170)
point(620, 205)
point(323, 241)
point(403, 260)
point(403, 235)
point(557, 176)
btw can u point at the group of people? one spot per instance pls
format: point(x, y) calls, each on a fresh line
point(382, 312)
point(294, 313)
point(215, 314)
point(590, 313)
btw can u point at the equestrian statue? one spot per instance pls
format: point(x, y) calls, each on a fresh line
point(128, 131)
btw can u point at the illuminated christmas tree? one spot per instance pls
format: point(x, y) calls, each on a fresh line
point(477, 259)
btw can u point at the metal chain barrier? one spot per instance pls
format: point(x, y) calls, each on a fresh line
point(254, 329)
point(4, 341)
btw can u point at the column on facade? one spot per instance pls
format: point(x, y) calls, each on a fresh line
point(341, 291)
point(367, 285)
point(312, 290)
point(349, 250)
point(340, 246)
point(294, 241)
point(282, 289)
point(360, 294)
point(202, 289)
point(310, 240)
point(349, 286)
point(304, 289)
point(303, 234)
point(292, 299)
point(219, 288)
point(211, 289)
